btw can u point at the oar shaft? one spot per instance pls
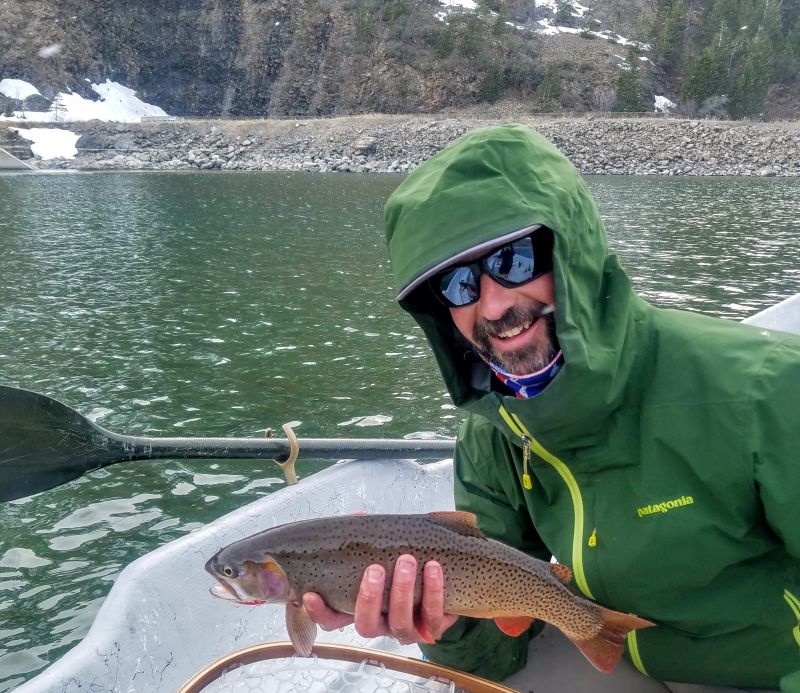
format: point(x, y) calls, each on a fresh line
point(278, 448)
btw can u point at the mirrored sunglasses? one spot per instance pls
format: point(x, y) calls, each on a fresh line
point(511, 265)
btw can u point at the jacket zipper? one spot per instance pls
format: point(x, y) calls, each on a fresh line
point(530, 443)
point(794, 605)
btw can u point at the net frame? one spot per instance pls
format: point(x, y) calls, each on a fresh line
point(468, 683)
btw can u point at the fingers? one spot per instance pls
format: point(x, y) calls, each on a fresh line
point(401, 600)
point(431, 613)
point(403, 621)
point(369, 619)
point(326, 618)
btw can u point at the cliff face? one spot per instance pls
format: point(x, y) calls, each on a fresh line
point(332, 57)
point(241, 57)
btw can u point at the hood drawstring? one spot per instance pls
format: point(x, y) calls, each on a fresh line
point(530, 385)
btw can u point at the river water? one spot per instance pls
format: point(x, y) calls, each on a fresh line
point(192, 304)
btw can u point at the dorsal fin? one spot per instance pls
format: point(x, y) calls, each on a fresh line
point(459, 521)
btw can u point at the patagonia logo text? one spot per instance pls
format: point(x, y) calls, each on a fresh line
point(664, 506)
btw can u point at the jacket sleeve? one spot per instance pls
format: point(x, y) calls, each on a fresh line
point(776, 444)
point(776, 454)
point(487, 484)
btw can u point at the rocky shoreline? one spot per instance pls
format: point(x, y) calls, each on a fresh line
point(356, 144)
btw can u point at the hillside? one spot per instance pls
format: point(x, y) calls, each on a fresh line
point(334, 57)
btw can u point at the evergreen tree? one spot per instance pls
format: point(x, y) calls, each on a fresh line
point(629, 85)
point(503, 13)
point(564, 14)
point(394, 9)
point(752, 79)
point(472, 38)
point(489, 6)
point(549, 89)
point(670, 36)
point(792, 51)
point(445, 41)
point(708, 76)
point(493, 83)
point(363, 22)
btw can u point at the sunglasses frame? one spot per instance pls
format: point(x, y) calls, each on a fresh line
point(481, 266)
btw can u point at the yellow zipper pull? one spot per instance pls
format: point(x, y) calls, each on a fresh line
point(593, 539)
point(527, 482)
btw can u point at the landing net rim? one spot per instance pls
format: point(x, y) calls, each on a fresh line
point(469, 683)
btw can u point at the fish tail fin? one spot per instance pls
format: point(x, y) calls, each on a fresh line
point(605, 648)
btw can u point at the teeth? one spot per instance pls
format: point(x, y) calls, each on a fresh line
point(514, 331)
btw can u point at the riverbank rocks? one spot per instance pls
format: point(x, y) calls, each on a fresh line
point(396, 144)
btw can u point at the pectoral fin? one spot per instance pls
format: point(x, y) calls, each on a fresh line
point(513, 625)
point(302, 630)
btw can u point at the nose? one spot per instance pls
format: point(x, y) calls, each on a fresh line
point(495, 299)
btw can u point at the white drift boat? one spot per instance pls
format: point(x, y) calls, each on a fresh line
point(159, 625)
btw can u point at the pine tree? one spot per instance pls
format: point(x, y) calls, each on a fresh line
point(670, 36)
point(629, 85)
point(493, 83)
point(549, 88)
point(363, 23)
point(707, 76)
point(564, 14)
point(753, 79)
point(503, 13)
point(445, 41)
point(472, 38)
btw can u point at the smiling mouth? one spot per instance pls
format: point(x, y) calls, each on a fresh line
point(514, 331)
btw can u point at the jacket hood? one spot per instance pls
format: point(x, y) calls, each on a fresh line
point(480, 190)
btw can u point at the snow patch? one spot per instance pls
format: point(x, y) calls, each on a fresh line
point(117, 103)
point(51, 143)
point(663, 104)
point(466, 4)
point(17, 88)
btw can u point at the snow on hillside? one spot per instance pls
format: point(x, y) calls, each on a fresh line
point(17, 88)
point(116, 103)
point(548, 25)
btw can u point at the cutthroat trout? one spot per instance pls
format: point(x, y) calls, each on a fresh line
point(483, 578)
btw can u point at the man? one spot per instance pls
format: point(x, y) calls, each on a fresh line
point(654, 451)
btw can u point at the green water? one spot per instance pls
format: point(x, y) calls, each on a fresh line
point(220, 304)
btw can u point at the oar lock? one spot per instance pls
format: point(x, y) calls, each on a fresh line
point(287, 465)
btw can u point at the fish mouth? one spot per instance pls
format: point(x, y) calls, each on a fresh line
point(225, 590)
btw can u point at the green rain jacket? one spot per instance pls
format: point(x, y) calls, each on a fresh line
point(664, 465)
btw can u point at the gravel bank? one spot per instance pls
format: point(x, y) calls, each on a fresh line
point(397, 144)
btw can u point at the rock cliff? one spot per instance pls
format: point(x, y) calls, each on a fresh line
point(296, 57)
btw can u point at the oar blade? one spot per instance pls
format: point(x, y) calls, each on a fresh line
point(44, 443)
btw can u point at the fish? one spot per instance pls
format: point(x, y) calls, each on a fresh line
point(483, 577)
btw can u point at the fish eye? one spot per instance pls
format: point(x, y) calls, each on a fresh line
point(228, 571)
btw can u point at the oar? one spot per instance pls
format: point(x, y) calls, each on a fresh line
point(45, 443)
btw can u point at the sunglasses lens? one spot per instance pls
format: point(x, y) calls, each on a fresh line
point(459, 286)
point(513, 263)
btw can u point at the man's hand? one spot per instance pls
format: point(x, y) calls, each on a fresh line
point(399, 622)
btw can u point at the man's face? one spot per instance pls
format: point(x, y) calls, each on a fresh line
point(507, 325)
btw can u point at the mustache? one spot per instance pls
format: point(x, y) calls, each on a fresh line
point(484, 329)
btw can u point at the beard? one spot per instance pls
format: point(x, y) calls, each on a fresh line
point(532, 358)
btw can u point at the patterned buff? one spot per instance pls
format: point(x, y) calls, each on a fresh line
point(530, 385)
